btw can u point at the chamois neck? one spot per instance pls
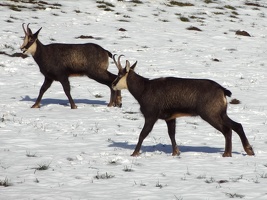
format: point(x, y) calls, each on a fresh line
point(136, 84)
point(38, 50)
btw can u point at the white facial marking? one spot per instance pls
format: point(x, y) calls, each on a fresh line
point(122, 84)
point(32, 49)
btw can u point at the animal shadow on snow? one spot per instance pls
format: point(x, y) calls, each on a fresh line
point(168, 148)
point(65, 102)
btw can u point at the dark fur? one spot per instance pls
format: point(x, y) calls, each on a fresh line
point(57, 62)
point(168, 98)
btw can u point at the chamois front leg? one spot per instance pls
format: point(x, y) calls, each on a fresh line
point(47, 83)
point(149, 123)
point(171, 130)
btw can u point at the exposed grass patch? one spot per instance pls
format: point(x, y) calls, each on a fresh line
point(123, 20)
point(163, 20)
point(230, 7)
point(253, 4)
point(137, 1)
point(35, 5)
point(178, 3)
point(128, 169)
point(42, 167)
point(210, 180)
point(103, 176)
point(235, 195)
point(106, 6)
point(5, 183)
point(98, 96)
point(218, 13)
point(159, 185)
point(30, 155)
point(208, 1)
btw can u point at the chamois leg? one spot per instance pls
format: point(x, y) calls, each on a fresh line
point(227, 132)
point(217, 122)
point(107, 78)
point(237, 127)
point(115, 98)
point(118, 101)
point(148, 126)
point(66, 86)
point(47, 83)
point(171, 130)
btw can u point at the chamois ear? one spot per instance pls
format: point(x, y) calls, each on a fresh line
point(29, 31)
point(134, 65)
point(37, 32)
point(129, 67)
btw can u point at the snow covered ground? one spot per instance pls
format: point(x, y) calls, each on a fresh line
point(58, 153)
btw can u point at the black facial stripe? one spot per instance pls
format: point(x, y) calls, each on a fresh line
point(115, 82)
point(29, 44)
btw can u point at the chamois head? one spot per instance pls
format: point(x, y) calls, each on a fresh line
point(29, 42)
point(120, 82)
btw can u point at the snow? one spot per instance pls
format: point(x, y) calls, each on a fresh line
point(87, 151)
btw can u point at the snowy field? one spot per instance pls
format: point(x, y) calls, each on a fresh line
point(58, 153)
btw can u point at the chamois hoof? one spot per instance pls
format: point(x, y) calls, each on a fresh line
point(249, 151)
point(135, 154)
point(227, 154)
point(176, 153)
point(119, 105)
point(74, 107)
point(115, 105)
point(35, 106)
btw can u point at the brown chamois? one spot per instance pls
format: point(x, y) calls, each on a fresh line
point(169, 98)
point(57, 62)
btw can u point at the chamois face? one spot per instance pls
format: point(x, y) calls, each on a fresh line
point(29, 43)
point(121, 81)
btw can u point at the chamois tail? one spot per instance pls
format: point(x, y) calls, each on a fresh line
point(227, 92)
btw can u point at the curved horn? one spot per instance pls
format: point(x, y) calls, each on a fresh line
point(24, 28)
point(118, 64)
point(28, 29)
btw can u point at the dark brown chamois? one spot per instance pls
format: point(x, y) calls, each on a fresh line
point(169, 98)
point(57, 62)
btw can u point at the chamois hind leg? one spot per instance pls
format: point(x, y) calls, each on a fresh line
point(115, 98)
point(107, 78)
point(66, 86)
point(171, 131)
point(238, 128)
point(47, 83)
point(217, 122)
point(148, 126)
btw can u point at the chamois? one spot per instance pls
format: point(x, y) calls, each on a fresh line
point(170, 97)
point(58, 62)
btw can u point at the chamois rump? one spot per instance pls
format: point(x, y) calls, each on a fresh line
point(170, 97)
point(58, 62)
